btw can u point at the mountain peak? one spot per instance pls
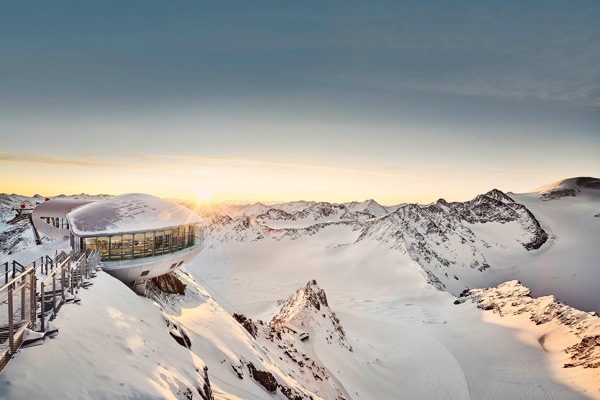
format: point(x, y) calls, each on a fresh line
point(499, 195)
point(308, 308)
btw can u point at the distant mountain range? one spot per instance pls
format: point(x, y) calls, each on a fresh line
point(402, 307)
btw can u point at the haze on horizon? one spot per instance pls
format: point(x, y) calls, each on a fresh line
point(336, 101)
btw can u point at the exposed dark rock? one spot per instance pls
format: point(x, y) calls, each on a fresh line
point(239, 371)
point(588, 182)
point(265, 378)
point(169, 284)
point(292, 394)
point(585, 353)
point(571, 188)
point(559, 193)
point(178, 333)
point(182, 338)
point(206, 390)
point(246, 323)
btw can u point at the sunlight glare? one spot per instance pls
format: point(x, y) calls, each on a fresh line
point(204, 193)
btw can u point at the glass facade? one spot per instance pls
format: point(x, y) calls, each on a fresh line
point(60, 223)
point(144, 244)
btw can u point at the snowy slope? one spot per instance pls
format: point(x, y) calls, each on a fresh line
point(378, 328)
point(114, 345)
point(444, 238)
point(408, 339)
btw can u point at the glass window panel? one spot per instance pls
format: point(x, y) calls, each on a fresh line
point(158, 243)
point(148, 241)
point(138, 245)
point(103, 246)
point(198, 235)
point(190, 236)
point(89, 244)
point(167, 241)
point(115, 248)
point(181, 238)
point(127, 247)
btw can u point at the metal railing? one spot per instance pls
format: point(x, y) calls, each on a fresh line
point(44, 264)
point(17, 313)
point(71, 273)
point(25, 297)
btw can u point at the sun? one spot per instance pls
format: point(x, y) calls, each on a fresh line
point(204, 193)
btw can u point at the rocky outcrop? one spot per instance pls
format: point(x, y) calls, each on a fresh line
point(169, 284)
point(206, 390)
point(265, 378)
point(441, 236)
point(585, 354)
point(246, 323)
point(568, 188)
point(512, 298)
point(308, 307)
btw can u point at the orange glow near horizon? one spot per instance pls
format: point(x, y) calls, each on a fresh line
point(239, 180)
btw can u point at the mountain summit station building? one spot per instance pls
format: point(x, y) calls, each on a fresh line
point(139, 236)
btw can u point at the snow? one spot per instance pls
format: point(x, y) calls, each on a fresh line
point(565, 266)
point(130, 213)
point(408, 339)
point(114, 345)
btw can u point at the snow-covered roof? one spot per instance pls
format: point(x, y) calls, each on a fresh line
point(58, 208)
point(134, 212)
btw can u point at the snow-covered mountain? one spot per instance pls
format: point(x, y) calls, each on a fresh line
point(572, 187)
point(381, 323)
point(442, 237)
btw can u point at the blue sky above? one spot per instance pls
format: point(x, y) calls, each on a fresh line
point(454, 96)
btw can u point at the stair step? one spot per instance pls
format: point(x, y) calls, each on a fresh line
point(32, 338)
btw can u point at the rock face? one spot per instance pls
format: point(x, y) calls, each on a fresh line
point(512, 298)
point(169, 284)
point(568, 188)
point(442, 237)
point(308, 308)
point(246, 323)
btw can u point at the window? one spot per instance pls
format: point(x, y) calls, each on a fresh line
point(127, 247)
point(145, 244)
point(148, 242)
point(115, 247)
point(89, 244)
point(103, 246)
point(198, 235)
point(158, 243)
point(138, 245)
point(145, 273)
point(167, 242)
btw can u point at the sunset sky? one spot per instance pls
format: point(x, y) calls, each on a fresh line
point(273, 101)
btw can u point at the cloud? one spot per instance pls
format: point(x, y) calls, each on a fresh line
point(587, 95)
point(25, 158)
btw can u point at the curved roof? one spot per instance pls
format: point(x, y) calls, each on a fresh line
point(128, 213)
point(58, 208)
point(55, 208)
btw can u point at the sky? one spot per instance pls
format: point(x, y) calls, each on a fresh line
point(399, 101)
